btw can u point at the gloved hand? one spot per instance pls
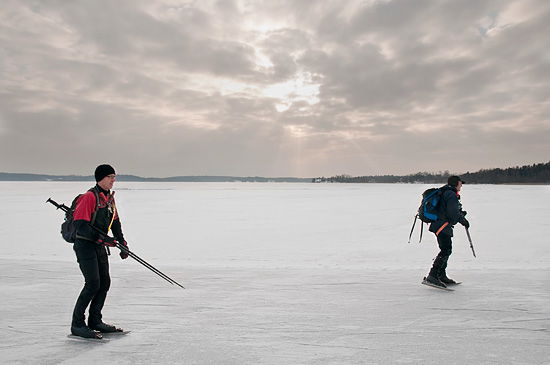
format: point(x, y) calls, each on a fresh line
point(124, 255)
point(465, 223)
point(107, 241)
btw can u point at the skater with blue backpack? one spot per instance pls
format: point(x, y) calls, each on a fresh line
point(449, 212)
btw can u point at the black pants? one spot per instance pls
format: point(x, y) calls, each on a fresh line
point(445, 249)
point(94, 265)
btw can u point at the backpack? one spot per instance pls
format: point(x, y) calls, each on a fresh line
point(428, 209)
point(429, 206)
point(68, 228)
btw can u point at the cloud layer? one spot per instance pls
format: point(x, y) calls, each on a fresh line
point(273, 88)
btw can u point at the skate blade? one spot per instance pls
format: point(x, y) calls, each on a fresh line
point(424, 282)
point(117, 333)
point(87, 339)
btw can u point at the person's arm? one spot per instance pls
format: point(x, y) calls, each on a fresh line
point(82, 216)
point(116, 228)
point(454, 212)
point(453, 208)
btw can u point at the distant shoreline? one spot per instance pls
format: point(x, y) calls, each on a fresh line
point(261, 181)
point(536, 174)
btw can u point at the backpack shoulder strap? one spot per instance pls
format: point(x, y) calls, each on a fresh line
point(96, 193)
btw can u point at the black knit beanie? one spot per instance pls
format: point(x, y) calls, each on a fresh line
point(103, 170)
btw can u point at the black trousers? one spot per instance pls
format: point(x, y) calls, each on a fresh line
point(94, 265)
point(445, 250)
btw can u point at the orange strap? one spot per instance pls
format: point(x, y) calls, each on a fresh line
point(441, 228)
point(114, 211)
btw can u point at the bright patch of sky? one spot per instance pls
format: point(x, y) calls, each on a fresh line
point(300, 88)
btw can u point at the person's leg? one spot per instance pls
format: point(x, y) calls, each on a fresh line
point(440, 263)
point(88, 263)
point(446, 249)
point(98, 301)
point(446, 245)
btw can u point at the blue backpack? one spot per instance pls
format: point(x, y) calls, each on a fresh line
point(428, 210)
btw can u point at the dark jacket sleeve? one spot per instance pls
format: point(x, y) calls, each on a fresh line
point(117, 230)
point(84, 230)
point(116, 227)
point(452, 210)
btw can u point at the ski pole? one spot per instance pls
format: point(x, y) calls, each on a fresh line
point(125, 249)
point(147, 265)
point(412, 229)
point(470, 239)
point(64, 208)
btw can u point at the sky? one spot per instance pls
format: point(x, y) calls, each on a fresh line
point(273, 88)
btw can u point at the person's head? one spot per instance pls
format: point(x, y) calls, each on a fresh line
point(456, 182)
point(105, 176)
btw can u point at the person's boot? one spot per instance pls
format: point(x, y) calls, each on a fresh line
point(104, 327)
point(447, 281)
point(435, 281)
point(85, 331)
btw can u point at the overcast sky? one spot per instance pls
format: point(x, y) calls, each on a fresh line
point(273, 88)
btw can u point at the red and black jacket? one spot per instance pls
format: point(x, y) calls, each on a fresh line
point(100, 213)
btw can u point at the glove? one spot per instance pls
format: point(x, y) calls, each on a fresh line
point(123, 254)
point(465, 223)
point(107, 241)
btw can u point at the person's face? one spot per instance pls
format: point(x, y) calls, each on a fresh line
point(107, 182)
point(459, 186)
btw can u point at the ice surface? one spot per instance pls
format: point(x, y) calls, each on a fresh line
point(282, 274)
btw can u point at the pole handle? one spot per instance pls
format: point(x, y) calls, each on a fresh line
point(63, 207)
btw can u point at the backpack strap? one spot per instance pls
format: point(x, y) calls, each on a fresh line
point(92, 220)
point(96, 193)
point(441, 228)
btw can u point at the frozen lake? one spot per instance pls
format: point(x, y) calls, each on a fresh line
point(287, 225)
point(283, 273)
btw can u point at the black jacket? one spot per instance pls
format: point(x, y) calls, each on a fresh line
point(449, 213)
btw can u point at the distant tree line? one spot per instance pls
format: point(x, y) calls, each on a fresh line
point(528, 174)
